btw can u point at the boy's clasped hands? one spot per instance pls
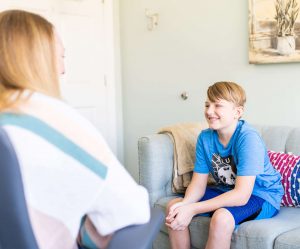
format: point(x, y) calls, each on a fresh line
point(180, 216)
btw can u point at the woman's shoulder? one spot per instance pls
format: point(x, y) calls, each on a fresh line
point(57, 113)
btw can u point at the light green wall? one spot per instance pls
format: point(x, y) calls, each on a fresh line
point(196, 43)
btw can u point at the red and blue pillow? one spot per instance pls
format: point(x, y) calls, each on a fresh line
point(288, 165)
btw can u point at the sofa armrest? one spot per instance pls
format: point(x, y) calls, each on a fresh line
point(156, 165)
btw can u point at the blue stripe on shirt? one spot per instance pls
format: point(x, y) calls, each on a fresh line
point(54, 137)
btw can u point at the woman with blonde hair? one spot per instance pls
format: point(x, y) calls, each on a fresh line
point(28, 56)
point(70, 175)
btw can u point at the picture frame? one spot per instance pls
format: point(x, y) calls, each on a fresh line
point(274, 31)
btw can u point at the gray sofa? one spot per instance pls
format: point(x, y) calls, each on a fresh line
point(155, 173)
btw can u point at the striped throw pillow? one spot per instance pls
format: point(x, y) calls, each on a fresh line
point(288, 166)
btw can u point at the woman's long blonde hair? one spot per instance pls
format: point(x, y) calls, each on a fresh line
point(27, 56)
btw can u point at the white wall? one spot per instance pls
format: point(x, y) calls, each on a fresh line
point(196, 43)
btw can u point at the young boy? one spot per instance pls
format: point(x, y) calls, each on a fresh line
point(248, 187)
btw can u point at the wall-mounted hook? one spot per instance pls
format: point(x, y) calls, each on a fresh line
point(153, 19)
point(184, 95)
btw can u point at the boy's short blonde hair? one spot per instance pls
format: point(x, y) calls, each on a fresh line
point(227, 90)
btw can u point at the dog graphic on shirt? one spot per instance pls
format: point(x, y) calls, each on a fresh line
point(224, 169)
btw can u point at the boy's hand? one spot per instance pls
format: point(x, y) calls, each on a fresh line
point(171, 215)
point(181, 216)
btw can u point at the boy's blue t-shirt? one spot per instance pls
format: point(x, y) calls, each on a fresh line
point(245, 155)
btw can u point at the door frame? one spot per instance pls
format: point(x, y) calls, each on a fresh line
point(113, 76)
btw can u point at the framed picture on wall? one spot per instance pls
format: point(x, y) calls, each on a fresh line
point(274, 31)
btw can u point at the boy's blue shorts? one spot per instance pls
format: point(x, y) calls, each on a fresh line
point(256, 207)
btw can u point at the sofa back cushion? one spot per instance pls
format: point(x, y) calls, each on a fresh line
point(288, 165)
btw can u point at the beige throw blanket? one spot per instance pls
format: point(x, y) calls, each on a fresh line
point(184, 137)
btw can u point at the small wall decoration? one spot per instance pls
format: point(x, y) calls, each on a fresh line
point(274, 31)
point(153, 20)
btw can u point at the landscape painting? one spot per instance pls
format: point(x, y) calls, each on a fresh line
point(274, 31)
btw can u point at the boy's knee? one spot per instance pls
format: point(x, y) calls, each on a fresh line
point(222, 219)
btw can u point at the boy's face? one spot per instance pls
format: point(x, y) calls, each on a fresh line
point(222, 115)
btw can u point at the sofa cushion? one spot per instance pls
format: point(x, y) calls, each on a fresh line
point(288, 166)
point(261, 234)
point(288, 240)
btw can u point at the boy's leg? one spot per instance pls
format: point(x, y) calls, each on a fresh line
point(224, 220)
point(181, 239)
point(178, 239)
point(220, 230)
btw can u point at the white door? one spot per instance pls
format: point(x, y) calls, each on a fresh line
point(81, 26)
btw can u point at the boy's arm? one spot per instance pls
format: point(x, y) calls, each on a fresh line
point(194, 193)
point(238, 196)
point(196, 188)
point(182, 215)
